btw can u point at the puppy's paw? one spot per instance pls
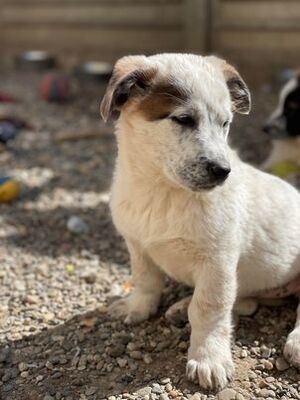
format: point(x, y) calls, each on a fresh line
point(134, 309)
point(211, 371)
point(291, 350)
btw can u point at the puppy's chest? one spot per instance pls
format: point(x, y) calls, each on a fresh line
point(176, 235)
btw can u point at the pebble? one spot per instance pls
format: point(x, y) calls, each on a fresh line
point(265, 393)
point(22, 366)
point(136, 355)
point(48, 397)
point(90, 391)
point(147, 359)
point(122, 362)
point(243, 354)
point(32, 299)
point(145, 391)
point(281, 364)
point(265, 351)
point(76, 225)
point(227, 394)
point(168, 387)
point(267, 365)
point(163, 396)
point(157, 388)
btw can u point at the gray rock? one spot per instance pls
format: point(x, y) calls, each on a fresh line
point(144, 391)
point(164, 396)
point(226, 394)
point(281, 364)
point(76, 225)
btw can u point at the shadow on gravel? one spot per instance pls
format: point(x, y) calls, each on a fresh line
point(46, 233)
point(82, 357)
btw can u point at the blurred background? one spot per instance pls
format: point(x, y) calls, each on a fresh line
point(260, 36)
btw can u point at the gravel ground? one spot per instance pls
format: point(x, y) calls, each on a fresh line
point(56, 339)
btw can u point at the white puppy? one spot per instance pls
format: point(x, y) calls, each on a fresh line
point(188, 207)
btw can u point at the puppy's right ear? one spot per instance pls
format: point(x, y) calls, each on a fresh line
point(131, 76)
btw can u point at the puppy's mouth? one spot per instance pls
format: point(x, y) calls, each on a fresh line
point(203, 186)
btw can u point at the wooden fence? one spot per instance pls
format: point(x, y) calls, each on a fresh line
point(260, 36)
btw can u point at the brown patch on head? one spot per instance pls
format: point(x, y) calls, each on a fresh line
point(239, 92)
point(161, 99)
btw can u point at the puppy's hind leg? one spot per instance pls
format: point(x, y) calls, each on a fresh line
point(292, 347)
point(148, 282)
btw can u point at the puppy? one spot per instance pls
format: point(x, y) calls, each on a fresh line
point(283, 126)
point(189, 208)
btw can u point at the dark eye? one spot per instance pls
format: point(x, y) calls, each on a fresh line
point(184, 120)
point(225, 124)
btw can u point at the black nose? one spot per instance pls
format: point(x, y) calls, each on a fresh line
point(218, 171)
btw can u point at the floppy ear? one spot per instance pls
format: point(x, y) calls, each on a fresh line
point(131, 76)
point(239, 92)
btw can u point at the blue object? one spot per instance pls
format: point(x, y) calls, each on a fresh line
point(8, 131)
point(4, 179)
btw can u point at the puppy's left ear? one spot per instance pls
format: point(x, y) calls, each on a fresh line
point(239, 92)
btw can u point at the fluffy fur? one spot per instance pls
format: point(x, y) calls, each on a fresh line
point(228, 236)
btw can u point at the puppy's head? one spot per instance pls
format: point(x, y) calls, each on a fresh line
point(284, 122)
point(175, 110)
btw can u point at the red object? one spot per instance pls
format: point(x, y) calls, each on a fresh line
point(55, 87)
point(7, 98)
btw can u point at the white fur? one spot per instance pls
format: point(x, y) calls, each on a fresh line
point(229, 242)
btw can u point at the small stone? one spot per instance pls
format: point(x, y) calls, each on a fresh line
point(243, 354)
point(267, 365)
point(164, 381)
point(226, 394)
point(164, 396)
point(76, 225)
point(239, 396)
point(48, 397)
point(196, 396)
point(266, 393)
point(24, 374)
point(122, 362)
point(136, 355)
point(90, 278)
point(23, 367)
point(39, 378)
point(90, 390)
point(168, 387)
point(31, 299)
point(156, 388)
point(281, 364)
point(147, 359)
point(117, 350)
point(270, 379)
point(265, 351)
point(145, 391)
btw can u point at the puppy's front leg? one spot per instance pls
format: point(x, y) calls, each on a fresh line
point(148, 282)
point(292, 347)
point(210, 312)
